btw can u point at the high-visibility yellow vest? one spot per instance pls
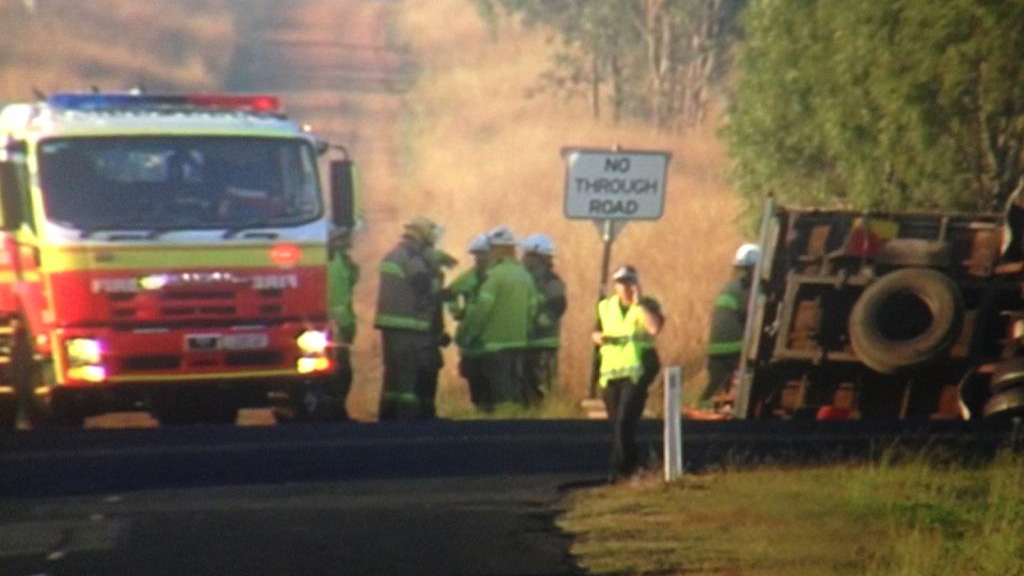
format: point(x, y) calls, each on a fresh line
point(625, 340)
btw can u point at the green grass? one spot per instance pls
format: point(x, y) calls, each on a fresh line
point(905, 515)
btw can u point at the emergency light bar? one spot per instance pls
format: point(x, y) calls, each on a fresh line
point(113, 102)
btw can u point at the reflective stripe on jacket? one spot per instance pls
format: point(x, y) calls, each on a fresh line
point(625, 339)
point(408, 295)
point(727, 320)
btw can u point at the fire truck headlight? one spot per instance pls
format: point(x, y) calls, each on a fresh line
point(308, 365)
point(313, 342)
point(153, 281)
point(84, 351)
point(88, 373)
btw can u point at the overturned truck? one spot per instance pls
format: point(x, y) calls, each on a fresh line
point(897, 315)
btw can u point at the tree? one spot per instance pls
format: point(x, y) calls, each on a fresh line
point(909, 103)
point(650, 59)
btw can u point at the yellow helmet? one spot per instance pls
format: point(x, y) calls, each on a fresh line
point(423, 229)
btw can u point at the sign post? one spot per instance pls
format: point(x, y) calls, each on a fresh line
point(611, 187)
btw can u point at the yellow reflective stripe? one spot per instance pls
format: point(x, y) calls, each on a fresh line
point(193, 377)
point(727, 301)
point(69, 259)
point(732, 347)
point(402, 397)
point(502, 346)
point(389, 268)
point(404, 322)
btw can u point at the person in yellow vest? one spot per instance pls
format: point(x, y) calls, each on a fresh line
point(626, 326)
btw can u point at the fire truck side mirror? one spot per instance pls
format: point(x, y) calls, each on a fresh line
point(343, 194)
point(11, 193)
point(11, 149)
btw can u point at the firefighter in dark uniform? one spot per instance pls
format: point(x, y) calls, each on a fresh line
point(541, 360)
point(728, 320)
point(626, 326)
point(408, 304)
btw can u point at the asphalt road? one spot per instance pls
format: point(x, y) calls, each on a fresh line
point(404, 498)
point(429, 526)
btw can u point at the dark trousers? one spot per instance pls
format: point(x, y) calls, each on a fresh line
point(721, 369)
point(501, 375)
point(411, 362)
point(624, 400)
point(479, 392)
point(540, 370)
point(342, 384)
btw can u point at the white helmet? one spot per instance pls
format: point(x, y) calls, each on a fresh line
point(501, 236)
point(747, 256)
point(478, 244)
point(538, 244)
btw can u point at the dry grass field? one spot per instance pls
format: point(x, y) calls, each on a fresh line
point(113, 44)
point(480, 152)
point(466, 144)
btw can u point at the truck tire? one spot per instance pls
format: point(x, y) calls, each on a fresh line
point(1008, 373)
point(8, 412)
point(66, 410)
point(27, 374)
point(1006, 404)
point(906, 319)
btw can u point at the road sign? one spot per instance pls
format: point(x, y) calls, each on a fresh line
point(615, 184)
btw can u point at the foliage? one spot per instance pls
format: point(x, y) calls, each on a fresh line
point(923, 515)
point(649, 59)
point(903, 104)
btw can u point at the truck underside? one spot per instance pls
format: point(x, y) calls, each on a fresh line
point(901, 315)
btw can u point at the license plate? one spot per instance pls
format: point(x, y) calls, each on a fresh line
point(202, 342)
point(244, 341)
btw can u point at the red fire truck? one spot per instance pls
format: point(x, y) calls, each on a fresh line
point(161, 251)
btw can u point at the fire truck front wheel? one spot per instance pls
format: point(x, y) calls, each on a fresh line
point(66, 409)
point(30, 378)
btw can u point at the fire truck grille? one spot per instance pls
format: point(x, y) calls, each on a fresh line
point(152, 362)
point(197, 310)
point(260, 358)
point(171, 296)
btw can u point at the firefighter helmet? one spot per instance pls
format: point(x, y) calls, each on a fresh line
point(747, 256)
point(539, 244)
point(501, 236)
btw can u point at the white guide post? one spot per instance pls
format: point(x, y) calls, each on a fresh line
point(673, 424)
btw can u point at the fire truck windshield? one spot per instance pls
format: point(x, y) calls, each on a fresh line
point(162, 183)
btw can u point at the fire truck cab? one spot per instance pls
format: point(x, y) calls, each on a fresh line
point(161, 251)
